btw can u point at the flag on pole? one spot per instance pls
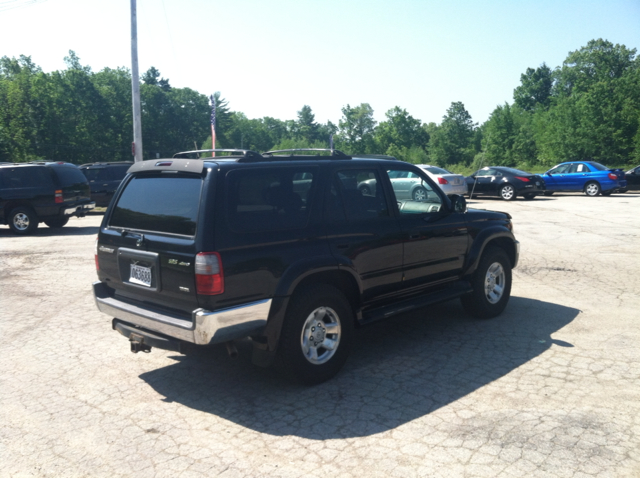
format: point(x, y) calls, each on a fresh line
point(213, 125)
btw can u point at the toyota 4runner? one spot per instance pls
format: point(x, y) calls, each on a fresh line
point(289, 249)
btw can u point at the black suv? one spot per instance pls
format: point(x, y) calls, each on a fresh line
point(104, 179)
point(48, 192)
point(288, 250)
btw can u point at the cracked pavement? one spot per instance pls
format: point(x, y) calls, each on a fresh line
point(551, 388)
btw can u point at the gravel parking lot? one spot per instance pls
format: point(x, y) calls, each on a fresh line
point(551, 388)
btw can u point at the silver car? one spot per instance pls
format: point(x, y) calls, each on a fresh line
point(449, 182)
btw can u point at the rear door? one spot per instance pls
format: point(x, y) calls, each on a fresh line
point(147, 242)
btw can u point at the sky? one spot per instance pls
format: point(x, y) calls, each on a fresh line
point(272, 57)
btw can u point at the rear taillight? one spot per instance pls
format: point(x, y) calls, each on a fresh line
point(442, 181)
point(58, 196)
point(524, 180)
point(613, 176)
point(209, 275)
point(95, 254)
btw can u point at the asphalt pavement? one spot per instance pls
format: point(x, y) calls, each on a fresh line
point(551, 388)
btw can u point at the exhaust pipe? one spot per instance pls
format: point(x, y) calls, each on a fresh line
point(231, 349)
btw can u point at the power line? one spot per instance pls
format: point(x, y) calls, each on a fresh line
point(6, 5)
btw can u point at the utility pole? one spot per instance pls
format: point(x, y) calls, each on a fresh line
point(135, 87)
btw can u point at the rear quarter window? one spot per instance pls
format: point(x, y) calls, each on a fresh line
point(269, 200)
point(160, 203)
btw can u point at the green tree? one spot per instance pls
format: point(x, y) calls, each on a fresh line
point(356, 129)
point(453, 141)
point(535, 89)
point(399, 133)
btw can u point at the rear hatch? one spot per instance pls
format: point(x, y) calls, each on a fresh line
point(147, 242)
point(72, 184)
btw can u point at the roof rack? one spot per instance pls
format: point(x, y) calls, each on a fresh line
point(246, 153)
point(334, 153)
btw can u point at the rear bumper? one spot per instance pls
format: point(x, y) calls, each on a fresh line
point(80, 210)
point(205, 327)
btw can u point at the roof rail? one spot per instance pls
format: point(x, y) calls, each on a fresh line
point(247, 153)
point(334, 153)
point(375, 156)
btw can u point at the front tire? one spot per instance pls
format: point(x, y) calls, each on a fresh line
point(23, 221)
point(508, 192)
point(316, 335)
point(592, 189)
point(491, 284)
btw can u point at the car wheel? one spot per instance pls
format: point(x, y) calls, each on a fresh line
point(23, 220)
point(508, 192)
point(529, 197)
point(419, 194)
point(57, 222)
point(316, 335)
point(491, 285)
point(592, 188)
point(548, 193)
point(365, 191)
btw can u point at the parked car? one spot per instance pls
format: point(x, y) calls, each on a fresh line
point(104, 179)
point(405, 184)
point(584, 176)
point(449, 182)
point(507, 183)
point(633, 179)
point(286, 249)
point(46, 192)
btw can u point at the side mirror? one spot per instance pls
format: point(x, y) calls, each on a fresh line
point(458, 202)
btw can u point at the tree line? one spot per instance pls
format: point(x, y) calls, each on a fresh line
point(587, 108)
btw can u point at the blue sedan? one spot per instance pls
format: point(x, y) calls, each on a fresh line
point(586, 176)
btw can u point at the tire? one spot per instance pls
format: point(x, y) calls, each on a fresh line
point(23, 221)
point(529, 197)
point(419, 194)
point(592, 189)
point(56, 222)
point(548, 193)
point(365, 191)
point(508, 192)
point(491, 284)
point(310, 354)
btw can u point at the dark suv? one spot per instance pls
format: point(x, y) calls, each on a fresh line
point(104, 179)
point(288, 250)
point(46, 192)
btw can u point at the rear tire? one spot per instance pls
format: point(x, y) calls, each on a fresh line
point(548, 193)
point(316, 335)
point(529, 197)
point(491, 284)
point(56, 222)
point(23, 221)
point(592, 189)
point(419, 194)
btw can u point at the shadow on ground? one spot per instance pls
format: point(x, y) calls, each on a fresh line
point(44, 231)
point(399, 370)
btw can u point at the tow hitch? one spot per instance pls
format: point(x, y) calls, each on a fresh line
point(137, 344)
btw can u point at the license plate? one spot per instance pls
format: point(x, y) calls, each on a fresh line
point(140, 275)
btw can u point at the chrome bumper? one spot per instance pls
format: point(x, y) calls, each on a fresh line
point(206, 327)
point(70, 211)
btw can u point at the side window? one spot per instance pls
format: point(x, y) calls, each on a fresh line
point(483, 172)
point(29, 177)
point(269, 200)
point(414, 195)
point(581, 168)
point(355, 196)
point(562, 169)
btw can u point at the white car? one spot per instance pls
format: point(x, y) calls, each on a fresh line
point(449, 182)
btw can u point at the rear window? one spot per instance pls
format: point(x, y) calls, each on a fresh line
point(163, 203)
point(69, 175)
